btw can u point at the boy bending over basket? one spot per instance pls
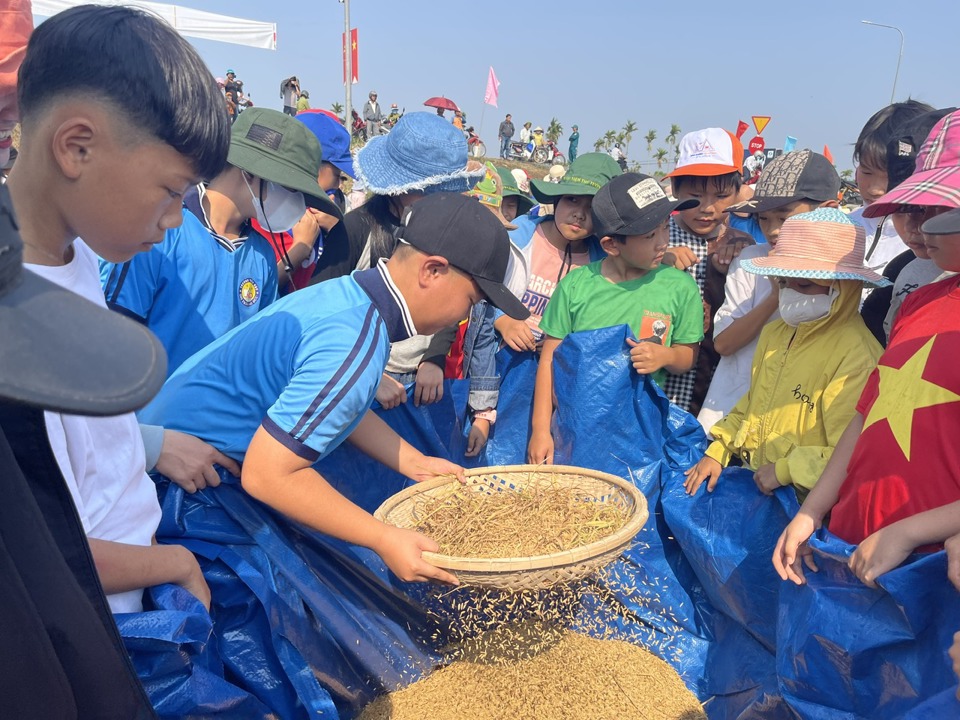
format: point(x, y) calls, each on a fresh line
point(288, 386)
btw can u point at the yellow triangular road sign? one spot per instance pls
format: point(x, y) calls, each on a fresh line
point(760, 122)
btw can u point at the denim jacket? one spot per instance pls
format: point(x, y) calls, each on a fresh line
point(479, 358)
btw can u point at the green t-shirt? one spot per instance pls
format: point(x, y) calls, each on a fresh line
point(663, 306)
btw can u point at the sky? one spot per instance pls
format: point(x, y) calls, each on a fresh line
point(813, 67)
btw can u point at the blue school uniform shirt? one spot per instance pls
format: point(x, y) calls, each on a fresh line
point(194, 286)
point(306, 368)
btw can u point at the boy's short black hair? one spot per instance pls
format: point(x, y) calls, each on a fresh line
point(871, 145)
point(730, 181)
point(140, 66)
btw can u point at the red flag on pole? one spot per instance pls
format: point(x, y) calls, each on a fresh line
point(354, 57)
point(828, 155)
point(493, 89)
point(741, 129)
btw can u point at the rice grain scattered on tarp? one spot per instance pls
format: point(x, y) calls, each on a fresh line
point(564, 675)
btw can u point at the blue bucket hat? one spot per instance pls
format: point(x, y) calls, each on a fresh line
point(333, 137)
point(423, 152)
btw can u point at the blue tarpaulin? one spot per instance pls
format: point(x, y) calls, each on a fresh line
point(307, 626)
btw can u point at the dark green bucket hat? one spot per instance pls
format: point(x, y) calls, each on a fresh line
point(587, 174)
point(510, 189)
point(276, 147)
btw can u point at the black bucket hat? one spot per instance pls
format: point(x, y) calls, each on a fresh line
point(61, 352)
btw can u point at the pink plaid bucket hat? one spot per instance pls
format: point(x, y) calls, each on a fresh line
point(936, 181)
point(821, 245)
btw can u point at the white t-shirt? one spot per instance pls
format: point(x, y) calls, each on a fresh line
point(888, 247)
point(743, 291)
point(102, 459)
point(915, 274)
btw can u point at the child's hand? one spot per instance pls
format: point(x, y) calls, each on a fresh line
point(726, 252)
point(402, 551)
point(390, 393)
point(952, 546)
point(792, 547)
point(955, 655)
point(706, 468)
point(515, 333)
point(306, 230)
point(324, 220)
point(681, 257)
point(429, 387)
point(648, 357)
point(766, 479)
point(880, 553)
point(191, 578)
point(540, 449)
point(427, 467)
point(477, 437)
point(189, 462)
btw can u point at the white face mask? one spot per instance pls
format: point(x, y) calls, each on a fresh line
point(281, 208)
point(796, 308)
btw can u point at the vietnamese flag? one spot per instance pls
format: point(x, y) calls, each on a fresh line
point(828, 155)
point(354, 57)
point(741, 129)
point(906, 460)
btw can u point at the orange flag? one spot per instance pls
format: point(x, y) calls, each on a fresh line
point(828, 155)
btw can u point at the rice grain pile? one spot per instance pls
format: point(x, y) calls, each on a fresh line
point(539, 518)
point(575, 676)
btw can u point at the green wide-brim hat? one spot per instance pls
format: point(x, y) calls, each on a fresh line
point(510, 189)
point(587, 174)
point(276, 147)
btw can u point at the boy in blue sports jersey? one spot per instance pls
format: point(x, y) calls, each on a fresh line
point(216, 270)
point(284, 389)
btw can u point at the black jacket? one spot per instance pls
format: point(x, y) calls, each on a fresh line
point(61, 653)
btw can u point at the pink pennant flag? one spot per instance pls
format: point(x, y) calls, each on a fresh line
point(493, 89)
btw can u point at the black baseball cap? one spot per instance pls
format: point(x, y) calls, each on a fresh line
point(633, 204)
point(947, 223)
point(60, 351)
point(470, 237)
point(798, 175)
point(908, 139)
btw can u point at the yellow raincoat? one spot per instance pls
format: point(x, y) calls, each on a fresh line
point(804, 387)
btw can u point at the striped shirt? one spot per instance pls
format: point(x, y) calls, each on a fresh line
point(306, 369)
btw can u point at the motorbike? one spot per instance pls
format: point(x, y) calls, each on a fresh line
point(545, 154)
point(475, 147)
point(549, 154)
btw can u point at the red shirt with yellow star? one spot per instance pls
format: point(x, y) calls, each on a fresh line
point(907, 459)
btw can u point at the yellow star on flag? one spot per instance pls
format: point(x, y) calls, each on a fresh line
point(902, 392)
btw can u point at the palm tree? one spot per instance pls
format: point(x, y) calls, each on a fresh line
point(846, 174)
point(554, 130)
point(628, 130)
point(650, 137)
point(661, 157)
point(337, 110)
point(609, 138)
point(598, 145)
point(671, 137)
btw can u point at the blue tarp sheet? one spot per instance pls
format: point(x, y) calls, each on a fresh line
point(306, 626)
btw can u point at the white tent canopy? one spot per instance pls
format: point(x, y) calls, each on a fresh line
point(186, 21)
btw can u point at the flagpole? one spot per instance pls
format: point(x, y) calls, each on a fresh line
point(348, 59)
